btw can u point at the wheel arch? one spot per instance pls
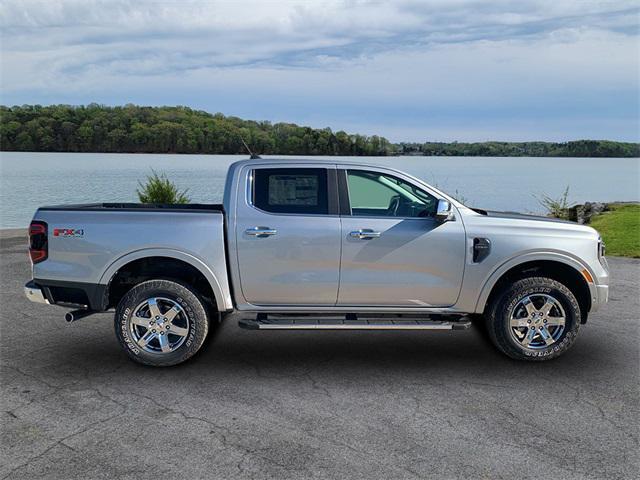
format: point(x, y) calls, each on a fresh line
point(168, 264)
point(562, 268)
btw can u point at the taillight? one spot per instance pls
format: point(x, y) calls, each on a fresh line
point(38, 244)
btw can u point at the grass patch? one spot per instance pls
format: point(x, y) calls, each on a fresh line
point(620, 229)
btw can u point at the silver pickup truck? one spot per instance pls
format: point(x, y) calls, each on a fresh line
point(309, 244)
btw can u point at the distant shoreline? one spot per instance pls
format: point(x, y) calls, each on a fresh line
point(130, 129)
point(13, 232)
point(285, 155)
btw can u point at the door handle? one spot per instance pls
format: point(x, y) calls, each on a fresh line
point(260, 232)
point(364, 234)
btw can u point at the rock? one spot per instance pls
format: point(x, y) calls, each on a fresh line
point(583, 213)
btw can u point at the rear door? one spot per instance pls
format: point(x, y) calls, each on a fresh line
point(288, 235)
point(394, 251)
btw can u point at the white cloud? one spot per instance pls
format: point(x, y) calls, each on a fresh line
point(324, 62)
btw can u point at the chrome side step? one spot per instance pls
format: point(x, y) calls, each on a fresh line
point(263, 322)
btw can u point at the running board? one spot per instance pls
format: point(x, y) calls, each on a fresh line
point(263, 322)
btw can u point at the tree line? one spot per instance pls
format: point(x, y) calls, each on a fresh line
point(577, 148)
point(136, 129)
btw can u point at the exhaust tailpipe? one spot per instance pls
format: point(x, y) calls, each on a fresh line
point(77, 315)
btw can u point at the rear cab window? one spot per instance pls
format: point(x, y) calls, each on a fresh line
point(291, 190)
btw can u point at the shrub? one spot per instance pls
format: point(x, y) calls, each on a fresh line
point(556, 207)
point(159, 189)
point(461, 197)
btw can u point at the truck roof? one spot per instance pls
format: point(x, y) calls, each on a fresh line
point(331, 161)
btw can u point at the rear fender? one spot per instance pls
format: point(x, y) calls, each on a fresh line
point(223, 298)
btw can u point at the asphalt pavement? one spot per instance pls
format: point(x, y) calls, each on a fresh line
point(330, 405)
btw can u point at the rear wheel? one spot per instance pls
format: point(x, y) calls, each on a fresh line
point(535, 318)
point(161, 323)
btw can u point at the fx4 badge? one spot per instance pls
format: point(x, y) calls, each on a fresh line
point(68, 232)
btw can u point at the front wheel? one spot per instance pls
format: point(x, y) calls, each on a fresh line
point(535, 318)
point(161, 323)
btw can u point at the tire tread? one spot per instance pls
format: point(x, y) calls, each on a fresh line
point(192, 302)
point(496, 318)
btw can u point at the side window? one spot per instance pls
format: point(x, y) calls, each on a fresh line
point(291, 190)
point(380, 195)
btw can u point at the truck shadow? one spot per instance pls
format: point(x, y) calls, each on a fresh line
point(457, 353)
point(243, 356)
point(284, 361)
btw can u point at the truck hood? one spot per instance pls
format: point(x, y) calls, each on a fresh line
point(513, 219)
point(520, 216)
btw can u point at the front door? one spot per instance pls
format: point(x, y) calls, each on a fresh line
point(288, 236)
point(394, 251)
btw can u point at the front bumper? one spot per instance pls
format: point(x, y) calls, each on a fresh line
point(34, 293)
point(600, 294)
point(602, 297)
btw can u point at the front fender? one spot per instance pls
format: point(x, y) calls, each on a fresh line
point(554, 256)
point(223, 298)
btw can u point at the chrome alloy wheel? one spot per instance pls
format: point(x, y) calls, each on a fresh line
point(537, 321)
point(159, 325)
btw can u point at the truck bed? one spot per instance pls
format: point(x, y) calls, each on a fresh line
point(147, 207)
point(88, 244)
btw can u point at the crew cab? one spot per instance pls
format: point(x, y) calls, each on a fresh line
point(318, 245)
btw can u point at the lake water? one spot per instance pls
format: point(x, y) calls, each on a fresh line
point(29, 180)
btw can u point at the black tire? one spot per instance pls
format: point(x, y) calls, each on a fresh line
point(500, 309)
point(185, 297)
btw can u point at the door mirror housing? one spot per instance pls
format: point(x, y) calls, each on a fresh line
point(443, 211)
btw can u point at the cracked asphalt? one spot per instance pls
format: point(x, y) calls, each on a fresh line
point(330, 405)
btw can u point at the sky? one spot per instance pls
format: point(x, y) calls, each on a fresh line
point(431, 70)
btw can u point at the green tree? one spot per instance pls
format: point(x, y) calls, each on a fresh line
point(132, 128)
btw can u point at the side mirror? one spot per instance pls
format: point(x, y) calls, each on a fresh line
point(443, 211)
